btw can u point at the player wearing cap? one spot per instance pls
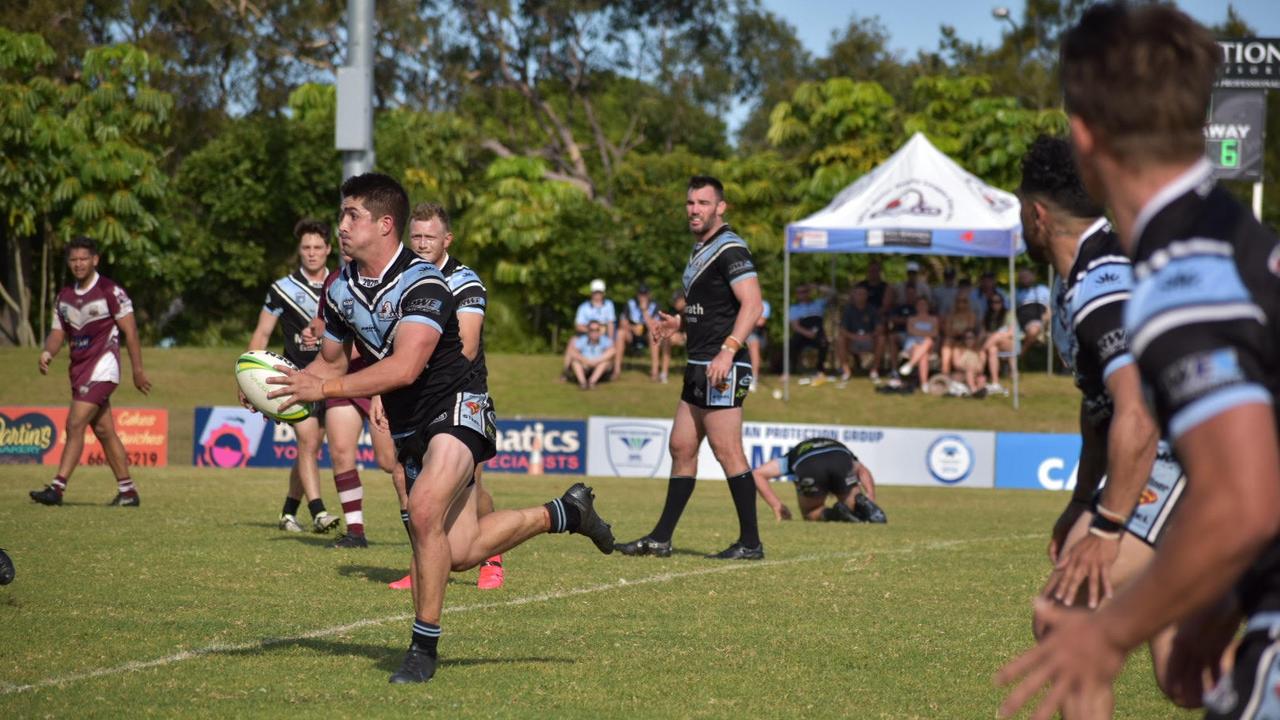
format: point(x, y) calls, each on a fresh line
point(596, 307)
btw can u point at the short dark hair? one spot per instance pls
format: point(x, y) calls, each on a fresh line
point(697, 182)
point(381, 195)
point(311, 226)
point(1049, 173)
point(424, 211)
point(82, 242)
point(1141, 78)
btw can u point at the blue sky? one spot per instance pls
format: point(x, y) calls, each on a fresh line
point(913, 24)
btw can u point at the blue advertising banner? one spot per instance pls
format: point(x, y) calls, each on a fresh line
point(1037, 461)
point(230, 437)
point(535, 447)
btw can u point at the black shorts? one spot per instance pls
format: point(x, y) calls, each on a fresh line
point(1252, 690)
point(1158, 501)
point(1029, 313)
point(728, 394)
point(829, 472)
point(469, 417)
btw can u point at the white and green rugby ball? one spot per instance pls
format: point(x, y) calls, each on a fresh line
point(252, 370)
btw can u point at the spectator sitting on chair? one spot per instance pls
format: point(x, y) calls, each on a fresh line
point(962, 320)
point(756, 341)
point(896, 327)
point(964, 376)
point(860, 335)
point(591, 356)
point(595, 308)
point(1033, 307)
point(633, 328)
point(877, 289)
point(998, 339)
point(922, 329)
point(986, 288)
point(807, 319)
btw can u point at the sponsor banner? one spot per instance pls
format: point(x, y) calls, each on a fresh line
point(37, 435)
point(231, 437)
point(637, 447)
point(1250, 63)
point(1037, 461)
point(540, 446)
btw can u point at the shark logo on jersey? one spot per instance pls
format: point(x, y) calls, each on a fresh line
point(386, 312)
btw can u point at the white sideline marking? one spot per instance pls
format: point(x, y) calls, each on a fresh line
point(621, 583)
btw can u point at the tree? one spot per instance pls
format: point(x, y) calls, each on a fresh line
point(80, 158)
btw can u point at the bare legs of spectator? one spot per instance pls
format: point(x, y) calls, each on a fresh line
point(919, 359)
point(568, 359)
point(996, 343)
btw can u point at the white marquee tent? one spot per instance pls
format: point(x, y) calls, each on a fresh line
point(918, 202)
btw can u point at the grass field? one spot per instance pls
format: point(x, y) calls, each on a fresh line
point(194, 605)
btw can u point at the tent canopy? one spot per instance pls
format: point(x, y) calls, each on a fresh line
point(919, 201)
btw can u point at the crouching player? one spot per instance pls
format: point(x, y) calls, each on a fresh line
point(400, 311)
point(821, 467)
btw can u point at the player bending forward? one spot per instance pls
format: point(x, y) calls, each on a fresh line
point(821, 467)
point(94, 311)
point(400, 312)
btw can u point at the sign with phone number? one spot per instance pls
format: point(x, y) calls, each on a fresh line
point(37, 435)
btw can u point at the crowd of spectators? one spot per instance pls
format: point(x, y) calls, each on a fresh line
point(951, 337)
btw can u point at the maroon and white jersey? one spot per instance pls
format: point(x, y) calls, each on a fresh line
point(88, 317)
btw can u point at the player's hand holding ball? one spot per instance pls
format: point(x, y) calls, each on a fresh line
point(258, 372)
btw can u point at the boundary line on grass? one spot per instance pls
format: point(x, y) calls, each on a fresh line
point(622, 583)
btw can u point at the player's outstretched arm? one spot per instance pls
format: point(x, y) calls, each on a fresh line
point(52, 345)
point(761, 476)
point(415, 341)
point(129, 328)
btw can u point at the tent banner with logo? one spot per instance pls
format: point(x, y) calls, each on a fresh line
point(918, 202)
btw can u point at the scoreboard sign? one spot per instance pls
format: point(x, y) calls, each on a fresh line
point(1233, 137)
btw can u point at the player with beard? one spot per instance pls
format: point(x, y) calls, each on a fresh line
point(400, 311)
point(723, 303)
point(292, 302)
point(430, 237)
point(1103, 537)
point(1202, 324)
point(90, 315)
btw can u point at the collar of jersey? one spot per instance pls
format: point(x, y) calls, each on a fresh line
point(1097, 226)
point(301, 277)
point(700, 244)
point(1199, 174)
point(382, 275)
point(92, 285)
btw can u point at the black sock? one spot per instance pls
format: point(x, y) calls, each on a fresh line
point(315, 506)
point(564, 516)
point(404, 518)
point(679, 490)
point(426, 636)
point(831, 514)
point(291, 506)
point(743, 489)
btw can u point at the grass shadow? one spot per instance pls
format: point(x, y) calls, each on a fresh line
point(387, 658)
point(384, 575)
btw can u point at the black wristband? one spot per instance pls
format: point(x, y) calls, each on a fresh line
point(1105, 524)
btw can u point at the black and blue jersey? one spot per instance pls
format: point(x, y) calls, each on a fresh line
point(294, 299)
point(1089, 315)
point(470, 296)
point(1204, 320)
point(368, 311)
point(714, 267)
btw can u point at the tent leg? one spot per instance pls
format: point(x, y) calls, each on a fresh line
point(1017, 342)
point(786, 320)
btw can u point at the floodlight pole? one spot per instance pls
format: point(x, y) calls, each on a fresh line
point(1013, 329)
point(353, 126)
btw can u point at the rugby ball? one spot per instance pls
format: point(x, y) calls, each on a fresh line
point(252, 370)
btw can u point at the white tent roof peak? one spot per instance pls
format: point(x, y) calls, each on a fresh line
point(917, 201)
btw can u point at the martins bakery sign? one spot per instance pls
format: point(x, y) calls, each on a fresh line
point(1252, 63)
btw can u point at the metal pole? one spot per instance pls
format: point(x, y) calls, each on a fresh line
point(1013, 327)
point(355, 92)
point(1257, 201)
point(786, 319)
